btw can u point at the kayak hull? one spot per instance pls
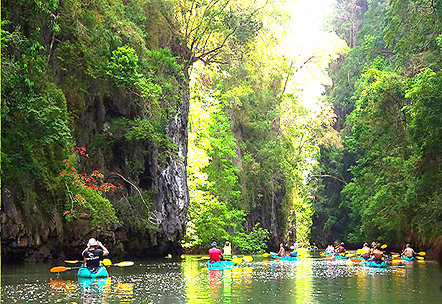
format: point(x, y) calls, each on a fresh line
point(86, 273)
point(341, 257)
point(377, 265)
point(405, 258)
point(289, 258)
point(220, 265)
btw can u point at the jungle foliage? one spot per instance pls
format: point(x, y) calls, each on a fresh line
point(387, 96)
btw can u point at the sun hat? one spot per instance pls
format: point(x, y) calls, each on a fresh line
point(92, 242)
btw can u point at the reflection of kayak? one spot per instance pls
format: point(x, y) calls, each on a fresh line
point(405, 258)
point(220, 264)
point(378, 264)
point(84, 272)
point(93, 282)
point(289, 258)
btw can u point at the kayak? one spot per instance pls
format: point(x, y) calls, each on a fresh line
point(84, 272)
point(405, 258)
point(289, 258)
point(220, 265)
point(382, 264)
point(341, 257)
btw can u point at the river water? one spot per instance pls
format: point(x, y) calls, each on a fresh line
point(312, 280)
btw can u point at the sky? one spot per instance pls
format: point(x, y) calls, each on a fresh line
point(303, 39)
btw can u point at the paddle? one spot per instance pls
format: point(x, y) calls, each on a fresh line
point(394, 253)
point(419, 258)
point(107, 262)
point(248, 258)
point(357, 260)
point(204, 258)
point(62, 268)
point(237, 260)
point(266, 255)
point(330, 256)
point(384, 246)
point(73, 261)
point(422, 253)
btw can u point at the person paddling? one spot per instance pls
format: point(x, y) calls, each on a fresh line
point(227, 252)
point(341, 249)
point(367, 250)
point(377, 254)
point(94, 251)
point(408, 252)
point(293, 252)
point(281, 251)
point(215, 254)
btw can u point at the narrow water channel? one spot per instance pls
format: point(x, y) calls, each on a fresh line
point(313, 280)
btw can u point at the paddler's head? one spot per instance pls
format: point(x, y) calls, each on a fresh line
point(214, 244)
point(92, 242)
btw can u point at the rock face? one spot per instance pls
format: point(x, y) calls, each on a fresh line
point(33, 232)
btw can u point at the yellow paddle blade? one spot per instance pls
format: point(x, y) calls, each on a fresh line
point(73, 261)
point(361, 251)
point(124, 264)
point(419, 258)
point(107, 262)
point(237, 260)
point(322, 253)
point(422, 253)
point(384, 246)
point(58, 269)
point(357, 260)
point(248, 258)
point(266, 255)
point(204, 258)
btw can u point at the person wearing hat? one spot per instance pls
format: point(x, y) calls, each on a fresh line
point(227, 252)
point(215, 254)
point(293, 251)
point(93, 253)
point(341, 249)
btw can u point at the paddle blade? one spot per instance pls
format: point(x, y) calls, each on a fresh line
point(204, 258)
point(357, 260)
point(58, 269)
point(330, 256)
point(394, 253)
point(247, 258)
point(124, 264)
point(419, 258)
point(397, 258)
point(384, 246)
point(73, 261)
point(107, 262)
point(361, 251)
point(266, 255)
point(237, 260)
point(422, 253)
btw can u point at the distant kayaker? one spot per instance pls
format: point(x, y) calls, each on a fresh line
point(293, 251)
point(377, 253)
point(330, 249)
point(408, 252)
point(373, 245)
point(281, 251)
point(93, 253)
point(227, 252)
point(341, 249)
point(215, 254)
point(367, 250)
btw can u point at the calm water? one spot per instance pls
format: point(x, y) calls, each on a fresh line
point(313, 280)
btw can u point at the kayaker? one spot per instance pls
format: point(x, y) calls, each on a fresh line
point(367, 250)
point(293, 252)
point(281, 251)
point(341, 249)
point(408, 252)
point(373, 244)
point(227, 252)
point(330, 249)
point(93, 253)
point(215, 254)
point(377, 253)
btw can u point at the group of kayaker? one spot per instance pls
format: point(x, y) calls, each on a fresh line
point(216, 255)
point(292, 251)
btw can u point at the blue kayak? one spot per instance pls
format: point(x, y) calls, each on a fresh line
point(340, 257)
point(289, 258)
point(220, 265)
point(405, 258)
point(101, 272)
point(378, 264)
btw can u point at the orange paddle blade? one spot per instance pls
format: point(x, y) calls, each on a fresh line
point(397, 258)
point(58, 269)
point(357, 260)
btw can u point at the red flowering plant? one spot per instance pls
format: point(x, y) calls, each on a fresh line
point(86, 192)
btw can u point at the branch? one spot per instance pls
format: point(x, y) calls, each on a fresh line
point(133, 185)
point(334, 177)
